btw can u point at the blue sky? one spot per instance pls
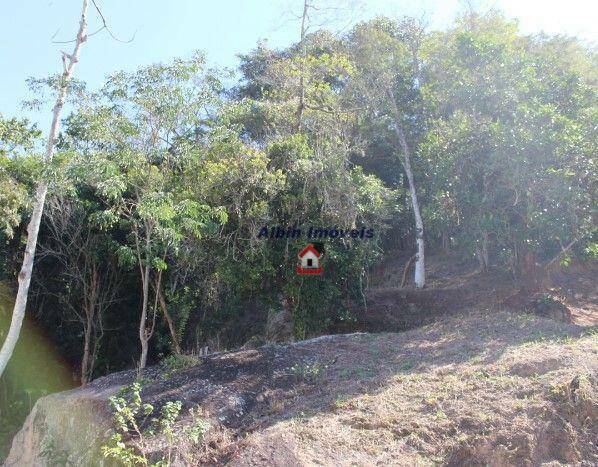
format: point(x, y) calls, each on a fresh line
point(224, 28)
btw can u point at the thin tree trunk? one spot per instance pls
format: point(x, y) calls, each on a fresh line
point(86, 360)
point(90, 303)
point(143, 334)
point(420, 264)
point(301, 106)
point(528, 272)
point(171, 327)
point(446, 242)
point(483, 254)
point(561, 254)
point(406, 270)
point(18, 313)
point(143, 357)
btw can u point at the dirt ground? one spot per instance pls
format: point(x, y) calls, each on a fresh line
point(483, 388)
point(494, 389)
point(478, 383)
point(576, 286)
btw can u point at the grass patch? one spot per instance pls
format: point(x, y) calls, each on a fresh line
point(175, 363)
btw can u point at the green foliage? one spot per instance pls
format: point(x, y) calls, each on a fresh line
point(117, 450)
point(18, 171)
point(127, 408)
point(168, 415)
point(502, 155)
point(566, 261)
point(172, 178)
point(129, 443)
point(199, 426)
point(180, 362)
point(17, 136)
point(308, 372)
point(591, 250)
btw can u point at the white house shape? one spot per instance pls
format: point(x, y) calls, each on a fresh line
point(309, 259)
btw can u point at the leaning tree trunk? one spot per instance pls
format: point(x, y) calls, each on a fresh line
point(420, 264)
point(18, 313)
point(171, 326)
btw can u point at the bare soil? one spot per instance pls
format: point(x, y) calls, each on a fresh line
point(454, 284)
point(485, 388)
point(496, 389)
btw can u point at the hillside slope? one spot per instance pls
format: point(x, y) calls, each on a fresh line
point(487, 388)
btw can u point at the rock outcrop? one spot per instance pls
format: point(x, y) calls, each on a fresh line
point(67, 426)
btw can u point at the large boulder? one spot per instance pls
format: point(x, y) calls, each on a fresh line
point(66, 428)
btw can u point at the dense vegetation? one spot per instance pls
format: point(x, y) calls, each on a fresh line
point(164, 177)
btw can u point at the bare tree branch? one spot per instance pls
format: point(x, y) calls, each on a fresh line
point(102, 28)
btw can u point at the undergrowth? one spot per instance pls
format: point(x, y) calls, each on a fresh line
point(136, 430)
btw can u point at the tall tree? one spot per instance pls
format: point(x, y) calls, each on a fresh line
point(387, 82)
point(322, 184)
point(90, 282)
point(511, 143)
point(18, 313)
point(146, 128)
point(316, 13)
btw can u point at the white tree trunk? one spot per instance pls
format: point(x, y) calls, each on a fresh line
point(144, 350)
point(18, 313)
point(420, 264)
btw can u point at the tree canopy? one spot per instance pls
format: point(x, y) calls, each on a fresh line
point(477, 138)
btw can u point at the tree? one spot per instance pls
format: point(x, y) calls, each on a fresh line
point(40, 197)
point(145, 130)
point(90, 282)
point(506, 146)
point(17, 170)
point(322, 184)
point(387, 83)
point(327, 12)
point(486, 136)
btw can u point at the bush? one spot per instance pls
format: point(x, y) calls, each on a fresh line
point(129, 444)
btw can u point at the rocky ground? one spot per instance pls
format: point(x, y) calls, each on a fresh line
point(476, 388)
point(473, 373)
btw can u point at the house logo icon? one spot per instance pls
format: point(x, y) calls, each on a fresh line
point(309, 261)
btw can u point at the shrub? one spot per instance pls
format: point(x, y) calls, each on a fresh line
point(128, 443)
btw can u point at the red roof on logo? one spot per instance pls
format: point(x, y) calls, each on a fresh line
point(311, 248)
